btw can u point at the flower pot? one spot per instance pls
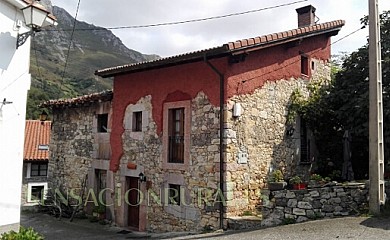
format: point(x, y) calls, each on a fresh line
point(131, 165)
point(273, 186)
point(299, 186)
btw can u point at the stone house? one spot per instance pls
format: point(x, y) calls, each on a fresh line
point(169, 168)
point(35, 161)
point(79, 146)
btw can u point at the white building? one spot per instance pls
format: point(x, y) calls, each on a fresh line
point(14, 84)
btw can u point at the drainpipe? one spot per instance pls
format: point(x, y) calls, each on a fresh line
point(221, 131)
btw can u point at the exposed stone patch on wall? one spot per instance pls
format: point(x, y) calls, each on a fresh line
point(303, 205)
point(202, 177)
point(259, 136)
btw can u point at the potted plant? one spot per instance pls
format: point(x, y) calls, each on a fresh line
point(297, 183)
point(276, 181)
point(315, 180)
point(99, 211)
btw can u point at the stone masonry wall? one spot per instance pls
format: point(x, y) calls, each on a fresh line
point(73, 145)
point(257, 141)
point(70, 147)
point(145, 150)
point(303, 205)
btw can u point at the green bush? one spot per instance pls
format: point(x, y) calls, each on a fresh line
point(316, 177)
point(23, 234)
point(295, 180)
point(276, 176)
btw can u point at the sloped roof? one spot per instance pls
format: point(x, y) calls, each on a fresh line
point(36, 133)
point(82, 100)
point(231, 48)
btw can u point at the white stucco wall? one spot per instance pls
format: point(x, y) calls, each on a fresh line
point(14, 84)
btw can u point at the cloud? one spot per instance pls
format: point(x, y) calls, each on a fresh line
point(176, 39)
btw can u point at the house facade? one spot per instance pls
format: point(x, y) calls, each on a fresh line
point(193, 137)
point(35, 161)
point(14, 84)
point(80, 149)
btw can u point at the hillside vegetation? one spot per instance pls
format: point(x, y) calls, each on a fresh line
point(91, 48)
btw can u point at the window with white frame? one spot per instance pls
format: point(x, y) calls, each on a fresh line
point(36, 192)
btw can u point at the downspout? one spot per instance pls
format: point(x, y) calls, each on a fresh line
point(221, 132)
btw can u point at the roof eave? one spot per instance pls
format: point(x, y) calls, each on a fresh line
point(331, 32)
point(165, 62)
point(331, 28)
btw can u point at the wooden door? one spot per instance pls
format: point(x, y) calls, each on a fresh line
point(133, 202)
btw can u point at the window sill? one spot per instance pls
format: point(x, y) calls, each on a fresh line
point(175, 166)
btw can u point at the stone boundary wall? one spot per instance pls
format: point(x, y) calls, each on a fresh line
point(323, 202)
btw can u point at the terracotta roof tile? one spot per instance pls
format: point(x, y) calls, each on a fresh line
point(319, 28)
point(36, 133)
point(244, 42)
point(225, 49)
point(94, 97)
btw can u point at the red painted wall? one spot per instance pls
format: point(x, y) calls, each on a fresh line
point(184, 82)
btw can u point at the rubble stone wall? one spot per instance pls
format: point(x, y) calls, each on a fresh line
point(257, 142)
point(303, 205)
point(74, 144)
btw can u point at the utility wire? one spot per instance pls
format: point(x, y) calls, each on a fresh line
point(70, 43)
point(182, 22)
point(37, 62)
point(16, 79)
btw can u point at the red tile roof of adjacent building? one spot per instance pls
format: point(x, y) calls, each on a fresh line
point(82, 100)
point(231, 48)
point(36, 133)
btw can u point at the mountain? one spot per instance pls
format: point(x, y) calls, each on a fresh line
point(91, 48)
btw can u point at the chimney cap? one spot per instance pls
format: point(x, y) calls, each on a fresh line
point(305, 9)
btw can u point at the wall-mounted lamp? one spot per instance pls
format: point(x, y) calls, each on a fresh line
point(142, 177)
point(237, 110)
point(34, 17)
point(43, 116)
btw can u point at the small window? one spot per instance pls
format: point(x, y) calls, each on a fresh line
point(137, 121)
point(304, 65)
point(37, 193)
point(102, 123)
point(312, 65)
point(174, 194)
point(38, 170)
point(176, 135)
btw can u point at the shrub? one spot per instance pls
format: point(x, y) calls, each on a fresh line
point(316, 177)
point(295, 180)
point(23, 234)
point(276, 176)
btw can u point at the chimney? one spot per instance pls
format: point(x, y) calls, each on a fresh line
point(306, 16)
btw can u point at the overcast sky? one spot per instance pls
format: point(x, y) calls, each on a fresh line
point(176, 39)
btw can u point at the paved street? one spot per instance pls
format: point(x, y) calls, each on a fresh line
point(340, 228)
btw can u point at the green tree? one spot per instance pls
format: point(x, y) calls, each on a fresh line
point(35, 97)
point(343, 105)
